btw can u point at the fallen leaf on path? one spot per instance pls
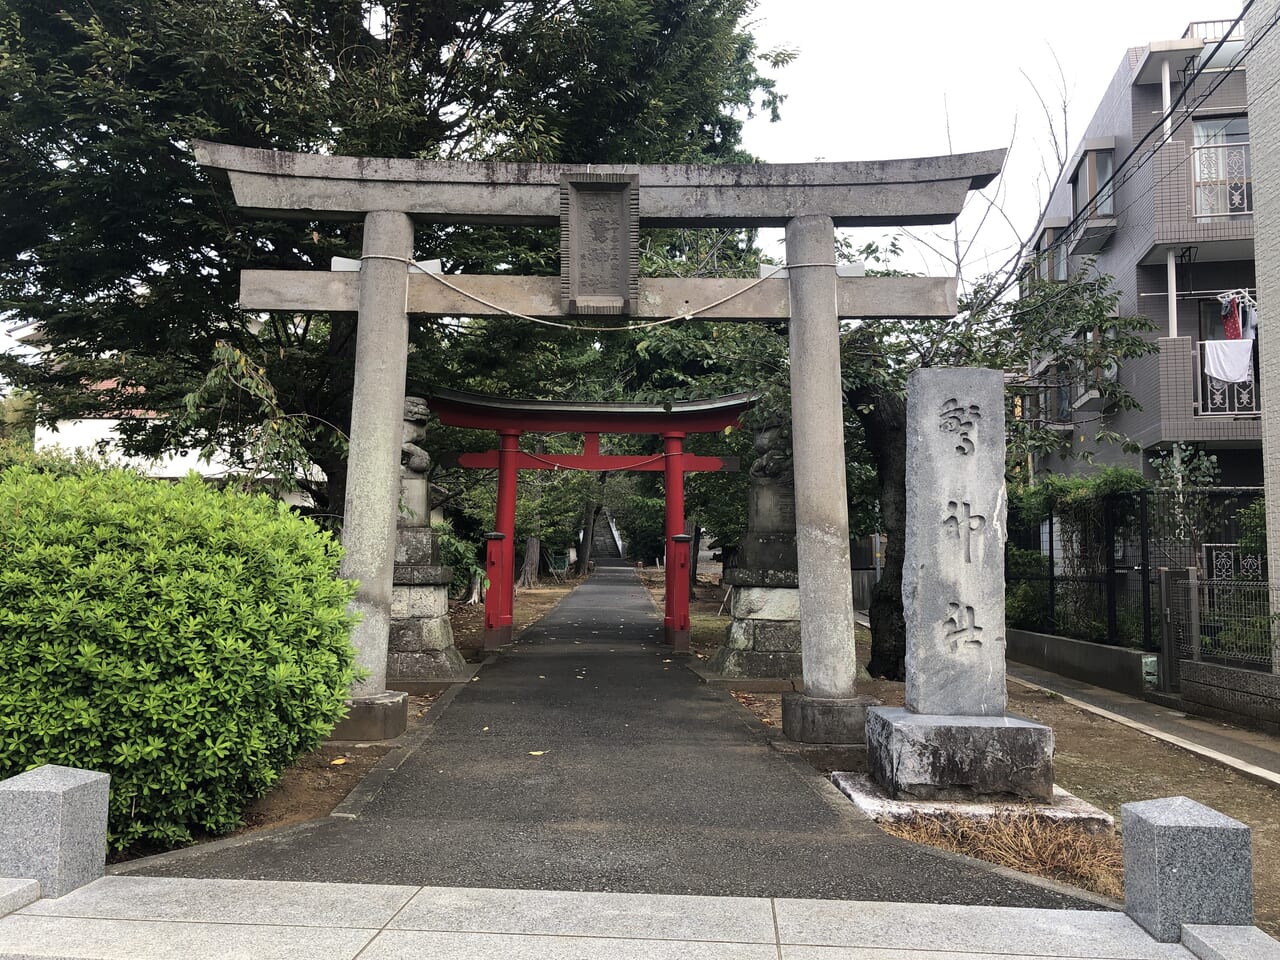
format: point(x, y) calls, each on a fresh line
point(536, 753)
point(666, 661)
point(484, 729)
point(337, 761)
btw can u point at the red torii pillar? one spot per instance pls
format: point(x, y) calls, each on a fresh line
point(676, 618)
point(499, 624)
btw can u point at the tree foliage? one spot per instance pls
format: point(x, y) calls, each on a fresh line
point(127, 254)
point(189, 641)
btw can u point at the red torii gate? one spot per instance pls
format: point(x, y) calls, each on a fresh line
point(510, 418)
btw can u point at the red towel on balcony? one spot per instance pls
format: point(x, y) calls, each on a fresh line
point(1231, 319)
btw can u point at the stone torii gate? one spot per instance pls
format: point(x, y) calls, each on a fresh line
point(509, 418)
point(600, 210)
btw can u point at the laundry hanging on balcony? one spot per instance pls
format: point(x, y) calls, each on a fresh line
point(1229, 360)
point(1239, 315)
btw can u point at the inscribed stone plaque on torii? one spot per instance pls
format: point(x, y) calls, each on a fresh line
point(953, 575)
point(599, 243)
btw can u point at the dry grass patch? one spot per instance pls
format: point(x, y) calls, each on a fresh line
point(1030, 844)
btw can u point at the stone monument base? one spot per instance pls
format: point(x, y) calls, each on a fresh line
point(932, 757)
point(381, 716)
point(420, 645)
point(764, 639)
point(808, 719)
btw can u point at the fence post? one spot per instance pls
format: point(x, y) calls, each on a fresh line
point(1143, 533)
point(1053, 577)
point(1109, 543)
point(1168, 655)
point(1193, 607)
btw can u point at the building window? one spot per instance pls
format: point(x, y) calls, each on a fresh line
point(1220, 161)
point(1051, 255)
point(1092, 192)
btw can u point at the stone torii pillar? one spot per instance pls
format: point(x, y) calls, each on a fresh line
point(373, 471)
point(829, 710)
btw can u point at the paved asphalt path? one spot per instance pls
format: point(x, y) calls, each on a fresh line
point(646, 781)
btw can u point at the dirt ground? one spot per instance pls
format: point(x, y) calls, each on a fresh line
point(530, 605)
point(1108, 764)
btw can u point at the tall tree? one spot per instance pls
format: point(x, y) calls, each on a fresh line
point(124, 252)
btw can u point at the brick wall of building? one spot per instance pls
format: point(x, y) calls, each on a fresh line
point(1264, 136)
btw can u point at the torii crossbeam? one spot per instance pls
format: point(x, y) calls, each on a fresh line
point(609, 203)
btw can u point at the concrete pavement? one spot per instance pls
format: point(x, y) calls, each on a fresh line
point(588, 758)
point(148, 918)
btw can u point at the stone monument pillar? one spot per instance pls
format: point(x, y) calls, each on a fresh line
point(420, 647)
point(764, 638)
point(953, 739)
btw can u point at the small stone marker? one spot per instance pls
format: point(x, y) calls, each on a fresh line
point(1185, 863)
point(53, 827)
point(953, 740)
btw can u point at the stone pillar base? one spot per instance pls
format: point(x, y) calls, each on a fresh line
point(764, 639)
point(755, 664)
point(381, 716)
point(808, 719)
point(445, 666)
point(930, 757)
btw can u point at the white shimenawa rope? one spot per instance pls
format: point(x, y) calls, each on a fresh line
point(573, 326)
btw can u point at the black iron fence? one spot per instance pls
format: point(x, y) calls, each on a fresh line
point(1090, 569)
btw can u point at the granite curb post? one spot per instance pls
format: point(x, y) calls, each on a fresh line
point(1185, 863)
point(53, 827)
point(953, 739)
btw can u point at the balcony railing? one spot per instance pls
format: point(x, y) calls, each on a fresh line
point(1223, 180)
point(1208, 30)
point(1217, 398)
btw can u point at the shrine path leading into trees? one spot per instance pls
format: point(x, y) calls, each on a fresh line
point(587, 758)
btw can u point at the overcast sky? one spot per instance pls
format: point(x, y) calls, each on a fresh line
point(880, 80)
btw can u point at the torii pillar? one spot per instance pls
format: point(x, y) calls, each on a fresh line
point(675, 621)
point(373, 474)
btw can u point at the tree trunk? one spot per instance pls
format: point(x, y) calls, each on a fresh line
point(532, 561)
point(588, 533)
point(883, 416)
point(476, 593)
point(694, 530)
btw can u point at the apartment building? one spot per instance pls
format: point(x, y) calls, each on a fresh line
point(1175, 230)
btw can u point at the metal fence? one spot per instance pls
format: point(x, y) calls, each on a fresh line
point(1090, 570)
point(1227, 622)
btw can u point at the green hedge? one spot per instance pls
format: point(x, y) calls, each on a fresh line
point(190, 642)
